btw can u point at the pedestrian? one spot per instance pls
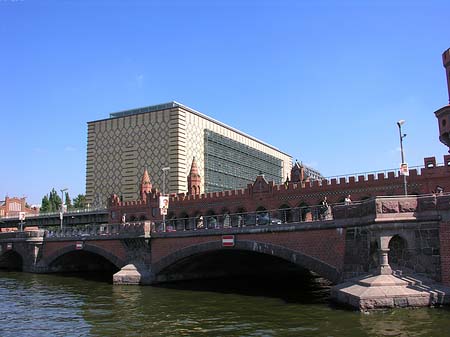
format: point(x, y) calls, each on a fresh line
point(348, 200)
point(226, 221)
point(323, 208)
point(200, 222)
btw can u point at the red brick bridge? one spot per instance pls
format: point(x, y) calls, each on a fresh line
point(413, 232)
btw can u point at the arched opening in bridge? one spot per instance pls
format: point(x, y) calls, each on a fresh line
point(398, 252)
point(304, 211)
point(246, 272)
point(285, 213)
point(11, 260)
point(210, 219)
point(183, 222)
point(84, 264)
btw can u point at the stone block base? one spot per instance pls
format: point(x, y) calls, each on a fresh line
point(388, 291)
point(132, 275)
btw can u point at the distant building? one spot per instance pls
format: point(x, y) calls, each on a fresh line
point(172, 135)
point(12, 207)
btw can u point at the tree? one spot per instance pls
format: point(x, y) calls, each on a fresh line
point(80, 201)
point(68, 202)
point(55, 201)
point(45, 204)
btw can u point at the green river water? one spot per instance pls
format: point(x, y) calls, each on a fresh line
point(55, 305)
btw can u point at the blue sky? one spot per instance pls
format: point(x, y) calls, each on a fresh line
point(325, 81)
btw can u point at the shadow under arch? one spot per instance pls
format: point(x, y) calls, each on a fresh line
point(11, 260)
point(50, 260)
point(398, 254)
point(302, 260)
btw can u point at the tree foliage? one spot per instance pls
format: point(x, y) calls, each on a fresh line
point(80, 201)
point(52, 202)
point(68, 202)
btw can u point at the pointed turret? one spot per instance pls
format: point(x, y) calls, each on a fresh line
point(146, 185)
point(443, 114)
point(297, 173)
point(194, 180)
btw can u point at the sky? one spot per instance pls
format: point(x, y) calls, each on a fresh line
point(324, 81)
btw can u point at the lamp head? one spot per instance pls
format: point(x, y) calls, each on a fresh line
point(400, 122)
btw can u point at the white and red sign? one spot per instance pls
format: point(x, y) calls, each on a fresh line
point(79, 245)
point(164, 202)
point(404, 171)
point(227, 240)
point(22, 216)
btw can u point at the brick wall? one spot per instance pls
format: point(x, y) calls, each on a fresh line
point(114, 247)
point(325, 245)
point(444, 238)
point(272, 196)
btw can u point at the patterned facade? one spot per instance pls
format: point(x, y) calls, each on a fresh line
point(168, 135)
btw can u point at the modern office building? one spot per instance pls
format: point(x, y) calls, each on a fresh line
point(171, 135)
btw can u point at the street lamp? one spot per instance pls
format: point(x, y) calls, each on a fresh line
point(164, 169)
point(61, 215)
point(402, 135)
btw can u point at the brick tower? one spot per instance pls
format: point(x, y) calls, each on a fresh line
point(194, 179)
point(146, 186)
point(297, 173)
point(443, 114)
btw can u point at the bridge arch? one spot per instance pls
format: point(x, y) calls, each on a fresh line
point(302, 260)
point(111, 258)
point(11, 260)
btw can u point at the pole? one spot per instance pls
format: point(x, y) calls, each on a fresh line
point(400, 123)
point(165, 169)
point(61, 215)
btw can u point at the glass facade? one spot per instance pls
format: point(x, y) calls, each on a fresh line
point(231, 165)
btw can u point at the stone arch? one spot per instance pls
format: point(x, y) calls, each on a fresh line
point(302, 260)
point(303, 210)
point(116, 261)
point(398, 251)
point(237, 218)
point(183, 221)
point(285, 213)
point(210, 219)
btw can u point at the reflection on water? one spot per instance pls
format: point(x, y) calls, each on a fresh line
point(53, 305)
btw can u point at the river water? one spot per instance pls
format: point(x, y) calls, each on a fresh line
point(55, 305)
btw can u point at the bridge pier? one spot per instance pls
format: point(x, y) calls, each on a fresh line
point(384, 268)
point(386, 289)
point(133, 274)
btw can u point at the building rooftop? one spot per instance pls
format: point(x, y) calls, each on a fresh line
point(174, 104)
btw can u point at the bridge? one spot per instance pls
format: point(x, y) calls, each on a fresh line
point(382, 236)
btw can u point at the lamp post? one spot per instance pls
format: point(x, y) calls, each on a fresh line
point(402, 135)
point(164, 169)
point(61, 215)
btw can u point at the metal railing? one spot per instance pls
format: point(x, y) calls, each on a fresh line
point(246, 219)
point(56, 213)
point(128, 229)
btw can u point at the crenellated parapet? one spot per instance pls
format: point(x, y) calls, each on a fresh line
point(262, 194)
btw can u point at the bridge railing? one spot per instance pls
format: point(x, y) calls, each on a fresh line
point(360, 209)
point(21, 235)
point(123, 229)
point(383, 205)
point(246, 219)
point(56, 214)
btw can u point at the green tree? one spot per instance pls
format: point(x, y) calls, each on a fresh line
point(80, 201)
point(68, 201)
point(55, 201)
point(45, 204)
